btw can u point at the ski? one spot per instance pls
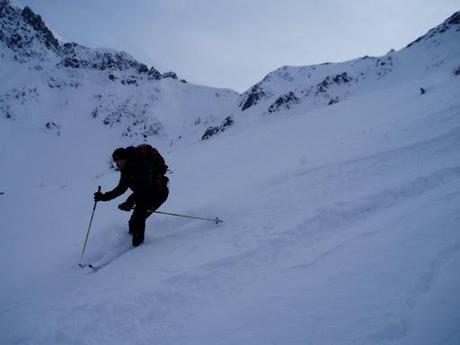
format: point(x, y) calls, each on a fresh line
point(88, 265)
point(106, 259)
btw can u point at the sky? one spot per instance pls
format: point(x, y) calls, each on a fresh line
point(235, 43)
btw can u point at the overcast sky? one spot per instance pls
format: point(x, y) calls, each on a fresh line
point(235, 43)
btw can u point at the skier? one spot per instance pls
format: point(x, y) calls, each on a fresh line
point(142, 170)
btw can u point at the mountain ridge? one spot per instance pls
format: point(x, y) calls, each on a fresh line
point(70, 66)
point(24, 34)
point(41, 71)
point(300, 82)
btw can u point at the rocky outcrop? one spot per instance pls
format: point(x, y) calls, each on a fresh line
point(153, 74)
point(252, 97)
point(74, 55)
point(27, 36)
point(39, 26)
point(171, 75)
point(213, 130)
point(24, 32)
point(284, 102)
point(338, 79)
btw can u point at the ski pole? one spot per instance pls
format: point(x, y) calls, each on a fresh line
point(89, 227)
point(217, 220)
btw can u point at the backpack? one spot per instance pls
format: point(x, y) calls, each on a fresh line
point(147, 152)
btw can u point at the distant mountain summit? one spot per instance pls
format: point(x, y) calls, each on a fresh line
point(450, 24)
point(46, 79)
point(28, 37)
point(329, 83)
point(24, 32)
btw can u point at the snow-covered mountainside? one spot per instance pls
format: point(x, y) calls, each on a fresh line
point(53, 92)
point(113, 89)
point(338, 184)
point(326, 84)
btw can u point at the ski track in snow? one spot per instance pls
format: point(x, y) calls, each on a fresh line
point(308, 243)
point(276, 259)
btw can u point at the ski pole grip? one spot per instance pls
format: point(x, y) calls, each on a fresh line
point(98, 190)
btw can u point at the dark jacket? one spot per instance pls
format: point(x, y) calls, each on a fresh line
point(139, 175)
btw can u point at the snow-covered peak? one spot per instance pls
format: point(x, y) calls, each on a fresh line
point(25, 36)
point(46, 83)
point(25, 33)
point(76, 56)
point(329, 83)
point(450, 25)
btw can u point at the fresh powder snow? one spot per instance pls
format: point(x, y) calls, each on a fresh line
point(338, 185)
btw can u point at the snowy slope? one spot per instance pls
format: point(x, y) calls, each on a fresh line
point(326, 84)
point(59, 89)
point(341, 222)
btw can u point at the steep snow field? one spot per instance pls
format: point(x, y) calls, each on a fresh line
point(341, 226)
point(338, 184)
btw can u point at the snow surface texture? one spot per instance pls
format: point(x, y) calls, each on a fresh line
point(341, 219)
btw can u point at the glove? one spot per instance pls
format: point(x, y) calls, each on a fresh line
point(126, 206)
point(99, 196)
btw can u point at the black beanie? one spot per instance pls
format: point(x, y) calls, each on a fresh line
point(119, 153)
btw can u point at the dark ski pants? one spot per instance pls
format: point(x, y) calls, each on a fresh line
point(141, 212)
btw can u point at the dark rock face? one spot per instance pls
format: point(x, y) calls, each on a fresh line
point(171, 75)
point(333, 101)
point(23, 30)
point(37, 23)
point(76, 56)
point(25, 33)
point(454, 19)
point(154, 74)
point(284, 101)
point(8, 33)
point(338, 79)
point(457, 71)
point(255, 94)
point(53, 127)
point(342, 78)
point(213, 130)
point(142, 68)
point(129, 81)
point(73, 63)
